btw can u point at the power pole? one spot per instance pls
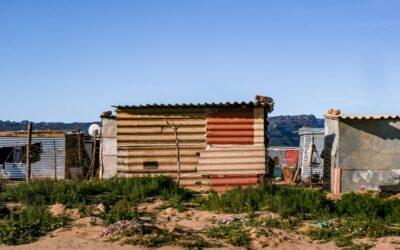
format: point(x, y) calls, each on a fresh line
point(28, 152)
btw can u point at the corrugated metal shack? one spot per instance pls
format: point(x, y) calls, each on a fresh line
point(221, 144)
point(364, 151)
point(53, 154)
point(306, 135)
point(48, 152)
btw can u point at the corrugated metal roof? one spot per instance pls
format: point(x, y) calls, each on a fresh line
point(364, 117)
point(269, 103)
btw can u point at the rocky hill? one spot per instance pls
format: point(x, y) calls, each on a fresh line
point(283, 129)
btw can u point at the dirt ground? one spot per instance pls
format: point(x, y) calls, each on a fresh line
point(85, 233)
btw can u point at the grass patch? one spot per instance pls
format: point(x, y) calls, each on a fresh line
point(299, 202)
point(28, 224)
point(233, 234)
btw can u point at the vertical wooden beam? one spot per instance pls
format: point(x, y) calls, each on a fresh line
point(80, 154)
point(28, 152)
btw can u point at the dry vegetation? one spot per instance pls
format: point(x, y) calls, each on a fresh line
point(154, 212)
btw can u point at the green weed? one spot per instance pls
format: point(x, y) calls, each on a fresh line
point(28, 224)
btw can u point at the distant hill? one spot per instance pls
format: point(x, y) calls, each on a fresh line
point(283, 129)
point(18, 126)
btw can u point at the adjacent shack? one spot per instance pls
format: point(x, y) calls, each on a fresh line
point(364, 151)
point(221, 144)
point(48, 154)
point(306, 135)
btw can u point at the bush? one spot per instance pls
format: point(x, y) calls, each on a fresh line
point(285, 201)
point(74, 193)
point(232, 233)
point(28, 224)
point(367, 206)
point(122, 210)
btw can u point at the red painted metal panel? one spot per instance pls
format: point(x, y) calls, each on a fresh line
point(292, 156)
point(233, 133)
point(224, 183)
point(230, 140)
point(231, 127)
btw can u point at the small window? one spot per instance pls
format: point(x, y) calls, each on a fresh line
point(150, 164)
point(197, 153)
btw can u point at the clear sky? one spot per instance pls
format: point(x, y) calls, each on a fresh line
point(66, 60)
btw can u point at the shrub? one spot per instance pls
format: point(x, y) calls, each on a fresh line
point(73, 192)
point(285, 201)
point(28, 224)
point(122, 210)
point(232, 233)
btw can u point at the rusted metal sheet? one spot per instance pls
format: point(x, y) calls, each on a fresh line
point(226, 182)
point(292, 156)
point(219, 133)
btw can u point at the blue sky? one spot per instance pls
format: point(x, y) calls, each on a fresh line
point(66, 60)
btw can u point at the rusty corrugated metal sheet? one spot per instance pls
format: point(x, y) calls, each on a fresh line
point(231, 127)
point(226, 182)
point(292, 156)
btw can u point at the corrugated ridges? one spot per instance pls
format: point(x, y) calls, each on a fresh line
point(364, 117)
point(200, 105)
point(237, 160)
point(41, 169)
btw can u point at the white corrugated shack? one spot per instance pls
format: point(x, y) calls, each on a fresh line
point(306, 135)
point(48, 154)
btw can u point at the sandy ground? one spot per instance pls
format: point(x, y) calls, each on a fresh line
point(83, 234)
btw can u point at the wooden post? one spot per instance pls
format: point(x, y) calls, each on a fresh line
point(178, 155)
point(80, 154)
point(93, 155)
point(28, 152)
point(55, 159)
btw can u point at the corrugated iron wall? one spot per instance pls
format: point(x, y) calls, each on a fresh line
point(223, 143)
point(41, 169)
point(147, 137)
point(231, 127)
point(305, 141)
